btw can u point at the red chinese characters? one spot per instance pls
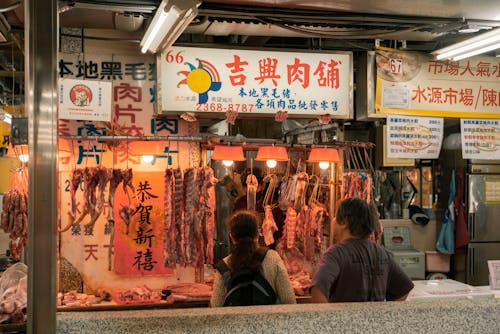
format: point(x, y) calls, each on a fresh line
point(327, 73)
point(236, 67)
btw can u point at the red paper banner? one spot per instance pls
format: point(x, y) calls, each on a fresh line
point(138, 246)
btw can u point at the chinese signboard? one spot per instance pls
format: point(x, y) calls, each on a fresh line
point(414, 137)
point(411, 83)
point(86, 100)
point(480, 138)
point(234, 82)
point(94, 252)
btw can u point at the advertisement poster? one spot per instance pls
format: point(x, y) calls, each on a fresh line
point(85, 99)
point(414, 137)
point(480, 138)
point(413, 83)
point(230, 82)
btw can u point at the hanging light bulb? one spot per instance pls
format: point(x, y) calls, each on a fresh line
point(227, 163)
point(324, 165)
point(271, 163)
point(148, 159)
point(148, 150)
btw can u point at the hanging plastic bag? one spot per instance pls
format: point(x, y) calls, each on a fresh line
point(446, 239)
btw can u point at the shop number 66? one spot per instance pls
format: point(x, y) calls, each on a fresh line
point(170, 57)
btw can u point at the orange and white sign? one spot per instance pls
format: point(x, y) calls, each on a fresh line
point(414, 137)
point(85, 100)
point(230, 82)
point(412, 83)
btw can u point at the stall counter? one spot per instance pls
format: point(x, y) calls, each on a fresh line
point(443, 316)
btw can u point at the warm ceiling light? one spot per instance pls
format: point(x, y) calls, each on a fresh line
point(170, 20)
point(148, 159)
point(228, 154)
point(19, 151)
point(482, 43)
point(324, 156)
point(272, 154)
point(277, 153)
point(147, 149)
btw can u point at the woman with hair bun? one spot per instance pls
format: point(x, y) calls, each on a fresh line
point(245, 253)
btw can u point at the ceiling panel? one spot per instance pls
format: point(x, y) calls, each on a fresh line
point(469, 9)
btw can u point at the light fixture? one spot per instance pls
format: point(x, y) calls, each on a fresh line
point(228, 154)
point(19, 151)
point(170, 20)
point(482, 43)
point(272, 154)
point(324, 156)
point(148, 159)
point(147, 149)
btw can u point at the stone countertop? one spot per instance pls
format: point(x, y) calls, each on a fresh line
point(444, 316)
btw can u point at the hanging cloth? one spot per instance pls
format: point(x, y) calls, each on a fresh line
point(461, 234)
point(446, 239)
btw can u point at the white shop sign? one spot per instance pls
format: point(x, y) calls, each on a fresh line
point(231, 81)
point(85, 100)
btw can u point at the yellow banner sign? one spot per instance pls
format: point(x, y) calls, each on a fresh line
point(412, 83)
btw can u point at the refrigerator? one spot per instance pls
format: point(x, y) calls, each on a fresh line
point(483, 222)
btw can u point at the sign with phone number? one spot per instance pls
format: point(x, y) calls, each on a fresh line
point(203, 80)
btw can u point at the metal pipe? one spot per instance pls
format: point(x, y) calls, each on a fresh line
point(126, 138)
point(10, 7)
point(41, 28)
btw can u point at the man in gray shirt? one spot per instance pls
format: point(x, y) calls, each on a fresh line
point(356, 269)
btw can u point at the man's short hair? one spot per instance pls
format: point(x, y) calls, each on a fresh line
point(358, 215)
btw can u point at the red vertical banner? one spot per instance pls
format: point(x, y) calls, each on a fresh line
point(139, 222)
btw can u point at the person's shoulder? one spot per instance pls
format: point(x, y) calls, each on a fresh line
point(272, 256)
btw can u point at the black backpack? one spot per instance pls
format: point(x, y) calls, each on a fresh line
point(246, 287)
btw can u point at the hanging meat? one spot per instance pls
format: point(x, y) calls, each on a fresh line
point(189, 217)
point(89, 194)
point(268, 225)
point(178, 214)
point(199, 231)
point(290, 227)
point(300, 191)
point(76, 181)
point(169, 250)
point(209, 189)
point(125, 211)
point(190, 201)
point(114, 182)
point(357, 185)
point(103, 175)
point(14, 217)
point(252, 185)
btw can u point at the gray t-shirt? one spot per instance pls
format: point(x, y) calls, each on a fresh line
point(346, 269)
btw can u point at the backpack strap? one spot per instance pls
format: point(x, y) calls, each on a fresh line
point(224, 271)
point(262, 252)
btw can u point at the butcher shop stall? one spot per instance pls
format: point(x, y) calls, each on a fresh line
point(147, 181)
